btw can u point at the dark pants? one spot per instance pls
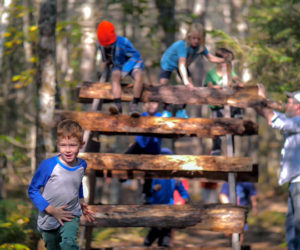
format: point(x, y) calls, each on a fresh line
point(163, 235)
point(292, 224)
point(64, 237)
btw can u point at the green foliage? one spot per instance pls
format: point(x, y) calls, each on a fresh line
point(274, 54)
point(15, 224)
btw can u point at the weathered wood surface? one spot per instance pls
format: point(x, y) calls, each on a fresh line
point(189, 163)
point(198, 247)
point(208, 175)
point(219, 218)
point(242, 175)
point(159, 126)
point(236, 96)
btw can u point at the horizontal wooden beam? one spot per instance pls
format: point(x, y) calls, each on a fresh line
point(174, 163)
point(190, 246)
point(159, 126)
point(208, 175)
point(216, 217)
point(237, 96)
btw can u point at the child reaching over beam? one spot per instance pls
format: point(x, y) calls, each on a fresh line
point(179, 56)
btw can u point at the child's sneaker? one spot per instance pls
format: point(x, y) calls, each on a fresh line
point(166, 113)
point(181, 113)
point(134, 110)
point(215, 152)
point(115, 108)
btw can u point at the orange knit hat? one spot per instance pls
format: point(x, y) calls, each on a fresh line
point(106, 33)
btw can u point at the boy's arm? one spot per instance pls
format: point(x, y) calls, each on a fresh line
point(183, 72)
point(214, 59)
point(254, 204)
point(87, 213)
point(224, 198)
point(38, 181)
point(134, 57)
point(182, 191)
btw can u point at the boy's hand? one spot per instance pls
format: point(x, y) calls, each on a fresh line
point(87, 213)
point(261, 90)
point(157, 187)
point(60, 213)
point(190, 86)
point(187, 200)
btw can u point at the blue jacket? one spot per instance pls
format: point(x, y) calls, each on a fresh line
point(124, 56)
point(165, 195)
point(149, 143)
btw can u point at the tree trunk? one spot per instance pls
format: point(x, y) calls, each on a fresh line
point(88, 41)
point(46, 78)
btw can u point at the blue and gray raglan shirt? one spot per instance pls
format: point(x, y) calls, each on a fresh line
point(61, 185)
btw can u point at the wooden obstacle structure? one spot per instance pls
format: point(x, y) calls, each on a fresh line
point(227, 218)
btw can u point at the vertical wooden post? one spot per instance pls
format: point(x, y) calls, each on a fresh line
point(91, 146)
point(227, 82)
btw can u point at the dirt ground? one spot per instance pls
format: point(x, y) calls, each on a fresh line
point(265, 231)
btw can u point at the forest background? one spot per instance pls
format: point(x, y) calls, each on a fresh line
point(48, 48)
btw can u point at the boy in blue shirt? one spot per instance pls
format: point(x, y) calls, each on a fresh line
point(246, 195)
point(125, 60)
point(60, 202)
point(162, 191)
point(179, 56)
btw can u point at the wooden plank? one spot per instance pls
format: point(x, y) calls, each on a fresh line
point(237, 96)
point(208, 175)
point(198, 247)
point(215, 217)
point(189, 163)
point(159, 126)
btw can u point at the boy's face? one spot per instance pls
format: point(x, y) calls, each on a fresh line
point(151, 107)
point(69, 148)
point(195, 40)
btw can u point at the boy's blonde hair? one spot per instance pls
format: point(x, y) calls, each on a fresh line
point(199, 29)
point(69, 128)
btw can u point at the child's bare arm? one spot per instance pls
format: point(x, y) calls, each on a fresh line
point(60, 213)
point(224, 198)
point(183, 72)
point(214, 59)
point(254, 204)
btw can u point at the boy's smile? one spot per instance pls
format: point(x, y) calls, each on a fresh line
point(69, 148)
point(195, 40)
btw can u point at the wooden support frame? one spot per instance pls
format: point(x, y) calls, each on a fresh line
point(214, 217)
point(188, 163)
point(159, 126)
point(236, 96)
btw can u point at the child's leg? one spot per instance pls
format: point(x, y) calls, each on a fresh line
point(164, 79)
point(116, 86)
point(116, 90)
point(51, 239)
point(138, 76)
point(165, 237)
point(151, 236)
point(69, 233)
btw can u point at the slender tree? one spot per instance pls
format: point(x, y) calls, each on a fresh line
point(46, 78)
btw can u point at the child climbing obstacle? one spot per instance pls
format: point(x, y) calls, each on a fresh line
point(125, 60)
point(60, 203)
point(214, 79)
point(162, 191)
point(179, 56)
